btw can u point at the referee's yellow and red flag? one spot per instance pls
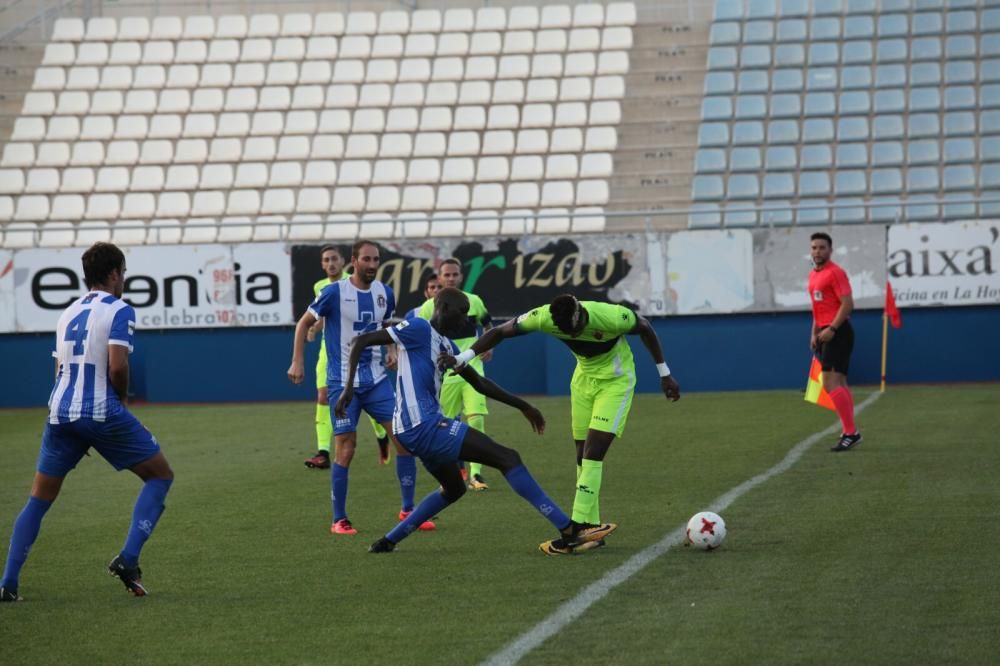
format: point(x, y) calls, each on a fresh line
point(815, 392)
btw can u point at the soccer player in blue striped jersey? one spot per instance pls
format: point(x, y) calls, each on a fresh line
point(87, 409)
point(349, 308)
point(441, 442)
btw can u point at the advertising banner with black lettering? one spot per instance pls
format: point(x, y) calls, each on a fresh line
point(945, 263)
point(511, 275)
point(172, 286)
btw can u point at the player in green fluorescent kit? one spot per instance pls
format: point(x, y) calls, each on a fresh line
point(457, 396)
point(602, 385)
point(333, 265)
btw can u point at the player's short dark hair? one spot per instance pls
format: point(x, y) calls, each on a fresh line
point(562, 309)
point(356, 248)
point(822, 235)
point(98, 262)
point(427, 280)
point(453, 299)
point(326, 248)
point(452, 260)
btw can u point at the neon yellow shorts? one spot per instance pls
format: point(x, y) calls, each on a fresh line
point(458, 397)
point(321, 368)
point(601, 403)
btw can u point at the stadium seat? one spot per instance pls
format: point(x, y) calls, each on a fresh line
point(57, 234)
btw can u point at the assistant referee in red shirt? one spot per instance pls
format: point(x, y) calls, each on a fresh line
point(832, 338)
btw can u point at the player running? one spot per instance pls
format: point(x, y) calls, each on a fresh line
point(94, 337)
point(602, 385)
point(440, 442)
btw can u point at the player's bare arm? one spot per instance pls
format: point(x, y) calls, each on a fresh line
point(491, 389)
point(118, 370)
point(296, 371)
point(486, 342)
point(647, 334)
point(845, 310)
point(371, 339)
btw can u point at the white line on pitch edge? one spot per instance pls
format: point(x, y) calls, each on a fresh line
point(514, 651)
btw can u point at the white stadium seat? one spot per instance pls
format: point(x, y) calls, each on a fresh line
point(452, 197)
point(552, 221)
point(329, 23)
point(77, 179)
point(425, 20)
point(588, 15)
point(112, 179)
point(199, 27)
point(49, 78)
point(125, 153)
point(93, 53)
point(423, 170)
point(129, 232)
point(361, 23)
point(498, 142)
point(394, 22)
point(18, 154)
point(588, 218)
point(470, 118)
point(40, 103)
point(459, 20)
point(133, 28)
point(68, 30)
point(320, 172)
point(523, 18)
point(243, 202)
point(250, 174)
point(556, 16)
point(289, 48)
point(285, 174)
point(166, 27)
point(89, 232)
point(87, 153)
point(57, 234)
point(181, 177)
point(296, 25)
point(138, 205)
point(264, 25)
point(348, 200)
point(125, 53)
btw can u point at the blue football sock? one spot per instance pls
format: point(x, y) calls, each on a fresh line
point(148, 507)
point(338, 487)
point(406, 472)
point(524, 485)
point(429, 506)
point(26, 527)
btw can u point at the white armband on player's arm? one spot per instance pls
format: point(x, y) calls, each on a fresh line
point(663, 369)
point(464, 358)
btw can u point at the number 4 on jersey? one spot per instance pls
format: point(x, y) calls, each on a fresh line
point(76, 331)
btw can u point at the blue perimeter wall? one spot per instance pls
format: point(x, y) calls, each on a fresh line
point(707, 353)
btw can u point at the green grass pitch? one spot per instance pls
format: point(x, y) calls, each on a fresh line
point(886, 554)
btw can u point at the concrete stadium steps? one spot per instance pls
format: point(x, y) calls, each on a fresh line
point(658, 133)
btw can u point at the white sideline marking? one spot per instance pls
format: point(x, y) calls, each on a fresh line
point(514, 651)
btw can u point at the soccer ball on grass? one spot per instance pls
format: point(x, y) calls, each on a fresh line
point(706, 530)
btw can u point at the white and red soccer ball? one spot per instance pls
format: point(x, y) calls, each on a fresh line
point(706, 530)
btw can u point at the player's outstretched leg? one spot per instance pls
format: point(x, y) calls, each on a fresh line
point(26, 529)
point(452, 489)
point(480, 448)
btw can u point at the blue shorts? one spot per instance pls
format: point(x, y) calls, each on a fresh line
point(379, 401)
point(436, 441)
point(121, 440)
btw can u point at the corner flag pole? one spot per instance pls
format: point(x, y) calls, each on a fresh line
point(885, 344)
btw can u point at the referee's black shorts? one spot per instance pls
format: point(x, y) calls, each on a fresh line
point(835, 355)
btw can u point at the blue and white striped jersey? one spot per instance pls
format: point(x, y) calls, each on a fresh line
point(85, 329)
point(349, 312)
point(418, 379)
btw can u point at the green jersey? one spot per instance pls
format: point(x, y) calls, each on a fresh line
point(325, 282)
point(600, 350)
